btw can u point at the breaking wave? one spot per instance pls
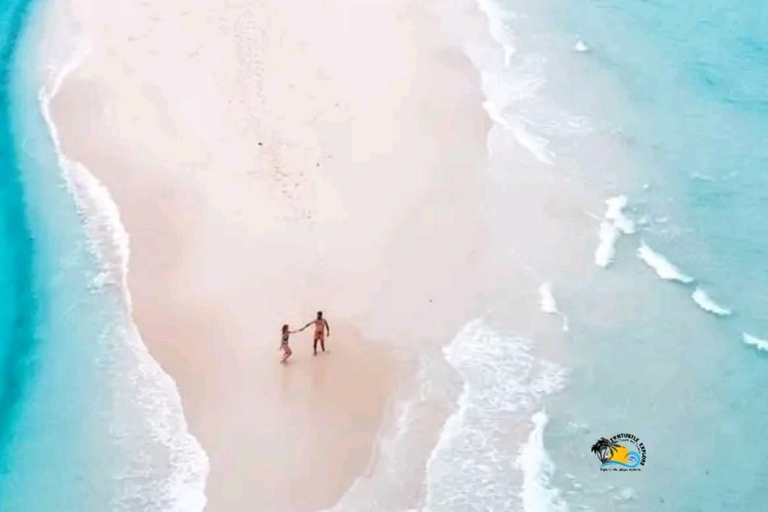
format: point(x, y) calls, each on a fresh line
point(661, 265)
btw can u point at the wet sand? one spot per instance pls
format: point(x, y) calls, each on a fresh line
point(270, 159)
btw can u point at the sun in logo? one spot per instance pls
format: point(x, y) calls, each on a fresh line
point(620, 454)
point(611, 452)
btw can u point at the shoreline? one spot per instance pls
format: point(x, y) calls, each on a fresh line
point(338, 211)
point(208, 374)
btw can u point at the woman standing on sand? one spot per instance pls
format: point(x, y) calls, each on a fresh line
point(287, 352)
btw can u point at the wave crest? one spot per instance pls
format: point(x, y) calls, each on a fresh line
point(708, 304)
point(754, 341)
point(661, 265)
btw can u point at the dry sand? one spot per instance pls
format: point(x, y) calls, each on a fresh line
point(270, 158)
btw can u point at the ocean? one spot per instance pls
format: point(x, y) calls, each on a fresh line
point(629, 132)
point(657, 109)
point(89, 420)
point(628, 135)
point(685, 369)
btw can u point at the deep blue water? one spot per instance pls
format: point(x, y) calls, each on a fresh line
point(18, 303)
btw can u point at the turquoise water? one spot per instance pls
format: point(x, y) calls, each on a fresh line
point(663, 104)
point(18, 304)
point(677, 95)
point(90, 422)
point(676, 98)
point(46, 394)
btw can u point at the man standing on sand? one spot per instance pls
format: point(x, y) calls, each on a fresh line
point(321, 328)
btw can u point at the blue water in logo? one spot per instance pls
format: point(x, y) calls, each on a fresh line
point(633, 460)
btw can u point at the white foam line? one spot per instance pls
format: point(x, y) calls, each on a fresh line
point(498, 30)
point(547, 301)
point(536, 144)
point(661, 265)
point(615, 214)
point(502, 383)
point(497, 101)
point(758, 343)
point(606, 249)
point(451, 429)
point(613, 224)
point(184, 488)
point(537, 493)
point(706, 303)
point(548, 304)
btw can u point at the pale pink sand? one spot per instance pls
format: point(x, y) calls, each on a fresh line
point(271, 158)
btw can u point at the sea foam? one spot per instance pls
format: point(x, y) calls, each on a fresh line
point(548, 304)
point(536, 144)
point(581, 46)
point(706, 303)
point(612, 225)
point(499, 31)
point(756, 342)
point(606, 249)
point(538, 494)
point(145, 397)
point(400, 451)
point(503, 385)
point(661, 265)
point(547, 301)
point(505, 82)
point(615, 213)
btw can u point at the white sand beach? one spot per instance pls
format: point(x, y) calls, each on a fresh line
point(270, 159)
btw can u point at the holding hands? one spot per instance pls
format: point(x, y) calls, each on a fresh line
point(322, 330)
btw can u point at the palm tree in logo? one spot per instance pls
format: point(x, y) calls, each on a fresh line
point(604, 449)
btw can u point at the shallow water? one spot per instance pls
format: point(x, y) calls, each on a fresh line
point(661, 103)
point(18, 304)
point(675, 91)
point(95, 422)
point(630, 135)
